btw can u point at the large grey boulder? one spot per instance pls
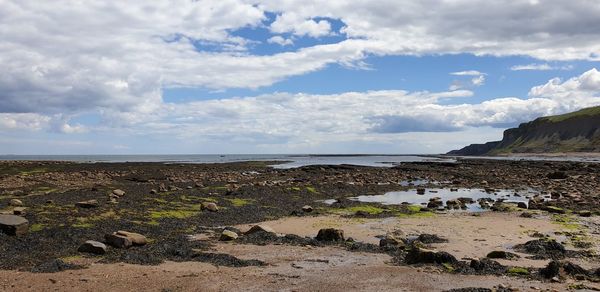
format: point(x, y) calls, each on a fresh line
point(92, 246)
point(13, 225)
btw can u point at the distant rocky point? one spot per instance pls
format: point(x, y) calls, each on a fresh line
point(573, 132)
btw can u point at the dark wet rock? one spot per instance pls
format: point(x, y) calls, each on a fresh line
point(423, 256)
point(135, 238)
point(153, 192)
point(87, 204)
point(500, 254)
point(118, 192)
point(260, 228)
point(465, 200)
point(557, 175)
point(431, 238)
point(487, 266)
point(330, 234)
point(435, 203)
point(543, 248)
point(55, 266)
point(454, 204)
point(13, 225)
point(92, 246)
point(307, 208)
point(117, 241)
point(228, 235)
point(562, 269)
point(226, 260)
point(15, 203)
point(522, 205)
point(212, 207)
point(420, 191)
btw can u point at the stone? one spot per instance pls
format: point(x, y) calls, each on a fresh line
point(423, 256)
point(260, 228)
point(330, 234)
point(92, 246)
point(522, 205)
point(431, 238)
point(500, 254)
point(13, 225)
point(391, 241)
point(87, 204)
point(118, 241)
point(553, 209)
point(118, 192)
point(228, 235)
point(584, 213)
point(16, 203)
point(21, 211)
point(136, 238)
point(307, 208)
point(420, 191)
point(153, 192)
point(210, 207)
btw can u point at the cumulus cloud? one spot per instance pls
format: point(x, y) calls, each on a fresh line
point(300, 26)
point(280, 41)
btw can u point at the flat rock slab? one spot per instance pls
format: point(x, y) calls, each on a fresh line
point(87, 204)
point(117, 241)
point(92, 246)
point(13, 225)
point(136, 238)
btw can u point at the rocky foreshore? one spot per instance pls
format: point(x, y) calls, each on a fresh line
point(57, 216)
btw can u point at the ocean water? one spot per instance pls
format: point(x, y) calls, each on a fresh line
point(290, 161)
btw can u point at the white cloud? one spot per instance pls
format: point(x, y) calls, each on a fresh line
point(468, 73)
point(280, 41)
point(539, 67)
point(300, 26)
point(478, 81)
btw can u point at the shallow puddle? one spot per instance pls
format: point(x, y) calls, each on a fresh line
point(445, 194)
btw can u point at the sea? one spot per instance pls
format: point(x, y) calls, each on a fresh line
point(283, 160)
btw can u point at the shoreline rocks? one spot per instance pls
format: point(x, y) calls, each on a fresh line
point(13, 225)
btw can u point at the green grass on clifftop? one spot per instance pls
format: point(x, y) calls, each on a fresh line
point(591, 111)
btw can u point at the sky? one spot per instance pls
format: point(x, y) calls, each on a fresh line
point(287, 76)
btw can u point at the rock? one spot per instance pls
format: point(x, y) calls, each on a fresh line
point(162, 188)
point(560, 269)
point(543, 248)
point(423, 256)
point(307, 208)
point(420, 191)
point(118, 192)
point(557, 175)
point(136, 238)
point(391, 241)
point(153, 192)
point(435, 203)
point(330, 234)
point(522, 205)
point(260, 228)
point(454, 204)
point(210, 207)
point(526, 215)
point(16, 203)
point(117, 241)
point(584, 213)
point(92, 246)
point(228, 235)
point(13, 225)
point(20, 211)
point(500, 254)
point(87, 204)
point(553, 209)
point(430, 238)
point(487, 266)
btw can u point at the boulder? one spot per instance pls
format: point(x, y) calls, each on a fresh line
point(584, 213)
point(420, 191)
point(16, 203)
point(423, 256)
point(87, 204)
point(391, 241)
point(210, 207)
point(561, 269)
point(228, 235)
point(431, 238)
point(117, 241)
point(136, 238)
point(500, 254)
point(92, 246)
point(307, 208)
point(260, 228)
point(13, 225)
point(330, 234)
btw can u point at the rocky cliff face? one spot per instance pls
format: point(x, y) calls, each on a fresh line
point(574, 132)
